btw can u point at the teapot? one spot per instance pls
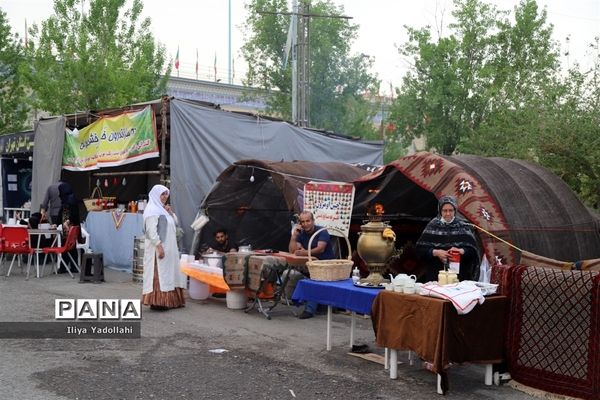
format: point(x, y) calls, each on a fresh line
point(245, 249)
point(403, 279)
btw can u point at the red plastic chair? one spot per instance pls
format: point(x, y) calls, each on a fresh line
point(16, 242)
point(69, 245)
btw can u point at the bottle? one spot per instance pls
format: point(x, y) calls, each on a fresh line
point(355, 275)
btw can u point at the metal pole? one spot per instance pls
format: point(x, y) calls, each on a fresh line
point(229, 75)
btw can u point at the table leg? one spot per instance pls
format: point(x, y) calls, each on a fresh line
point(488, 374)
point(352, 326)
point(411, 358)
point(439, 384)
point(393, 364)
point(386, 359)
point(329, 312)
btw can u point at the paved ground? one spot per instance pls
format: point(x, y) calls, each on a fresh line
point(284, 358)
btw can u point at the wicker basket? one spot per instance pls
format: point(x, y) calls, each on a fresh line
point(94, 203)
point(329, 270)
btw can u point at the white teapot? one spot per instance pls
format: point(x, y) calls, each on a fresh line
point(403, 280)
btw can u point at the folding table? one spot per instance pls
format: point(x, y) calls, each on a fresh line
point(56, 242)
point(342, 294)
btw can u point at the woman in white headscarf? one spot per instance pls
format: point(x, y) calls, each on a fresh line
point(164, 284)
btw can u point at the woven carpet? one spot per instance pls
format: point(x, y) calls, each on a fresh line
point(554, 329)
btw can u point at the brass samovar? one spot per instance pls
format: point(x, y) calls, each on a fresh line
point(375, 246)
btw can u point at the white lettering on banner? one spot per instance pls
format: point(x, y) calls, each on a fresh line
point(93, 309)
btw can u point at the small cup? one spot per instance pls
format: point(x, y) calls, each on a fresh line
point(409, 290)
point(388, 286)
point(418, 287)
point(398, 288)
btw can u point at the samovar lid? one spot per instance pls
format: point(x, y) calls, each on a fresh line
point(374, 226)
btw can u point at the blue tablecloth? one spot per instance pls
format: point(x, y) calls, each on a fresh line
point(116, 245)
point(342, 294)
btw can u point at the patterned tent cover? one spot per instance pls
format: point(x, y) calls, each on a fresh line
point(521, 203)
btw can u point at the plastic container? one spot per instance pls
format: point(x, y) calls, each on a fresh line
point(355, 275)
point(198, 290)
point(236, 299)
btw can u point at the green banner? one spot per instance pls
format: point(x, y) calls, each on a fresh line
point(112, 141)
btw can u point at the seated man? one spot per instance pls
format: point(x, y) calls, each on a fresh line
point(321, 248)
point(220, 244)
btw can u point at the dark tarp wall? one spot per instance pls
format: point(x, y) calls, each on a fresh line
point(524, 204)
point(47, 157)
point(205, 141)
point(259, 212)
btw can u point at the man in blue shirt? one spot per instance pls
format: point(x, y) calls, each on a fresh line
point(321, 248)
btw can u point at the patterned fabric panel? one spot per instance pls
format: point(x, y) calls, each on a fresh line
point(235, 269)
point(553, 330)
point(263, 267)
point(442, 177)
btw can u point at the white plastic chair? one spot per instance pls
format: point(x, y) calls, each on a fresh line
point(85, 246)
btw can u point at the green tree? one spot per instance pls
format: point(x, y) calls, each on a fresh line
point(104, 57)
point(13, 100)
point(339, 81)
point(486, 69)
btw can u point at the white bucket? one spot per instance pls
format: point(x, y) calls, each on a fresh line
point(198, 290)
point(236, 299)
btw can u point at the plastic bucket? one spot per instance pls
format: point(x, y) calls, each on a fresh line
point(236, 299)
point(198, 290)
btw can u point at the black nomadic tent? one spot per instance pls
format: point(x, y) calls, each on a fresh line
point(255, 200)
point(523, 213)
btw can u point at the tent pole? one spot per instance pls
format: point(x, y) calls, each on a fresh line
point(163, 139)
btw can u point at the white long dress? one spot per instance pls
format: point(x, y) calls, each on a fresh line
point(169, 275)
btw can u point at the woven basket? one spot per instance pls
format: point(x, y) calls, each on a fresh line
point(329, 270)
point(97, 201)
point(94, 203)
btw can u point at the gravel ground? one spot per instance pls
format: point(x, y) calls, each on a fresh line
point(284, 358)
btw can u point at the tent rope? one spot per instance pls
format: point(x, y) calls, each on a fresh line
point(308, 178)
point(496, 237)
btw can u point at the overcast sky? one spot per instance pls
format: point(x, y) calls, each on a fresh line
point(203, 25)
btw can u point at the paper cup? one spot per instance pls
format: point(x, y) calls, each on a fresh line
point(454, 261)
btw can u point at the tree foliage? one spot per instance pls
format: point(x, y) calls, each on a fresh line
point(494, 87)
point(103, 57)
point(339, 81)
point(13, 104)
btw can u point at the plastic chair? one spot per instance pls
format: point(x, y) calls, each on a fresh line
point(85, 246)
point(16, 242)
point(69, 245)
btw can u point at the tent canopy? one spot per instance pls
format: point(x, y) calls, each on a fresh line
point(524, 204)
point(259, 211)
point(200, 141)
point(205, 141)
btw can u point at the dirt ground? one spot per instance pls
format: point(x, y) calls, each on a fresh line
point(256, 358)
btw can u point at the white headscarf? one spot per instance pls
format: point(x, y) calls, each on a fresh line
point(155, 206)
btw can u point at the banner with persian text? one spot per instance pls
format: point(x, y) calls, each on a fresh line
point(112, 141)
point(331, 204)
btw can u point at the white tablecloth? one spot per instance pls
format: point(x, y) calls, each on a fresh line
point(115, 244)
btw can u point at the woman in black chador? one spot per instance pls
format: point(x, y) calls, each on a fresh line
point(446, 233)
